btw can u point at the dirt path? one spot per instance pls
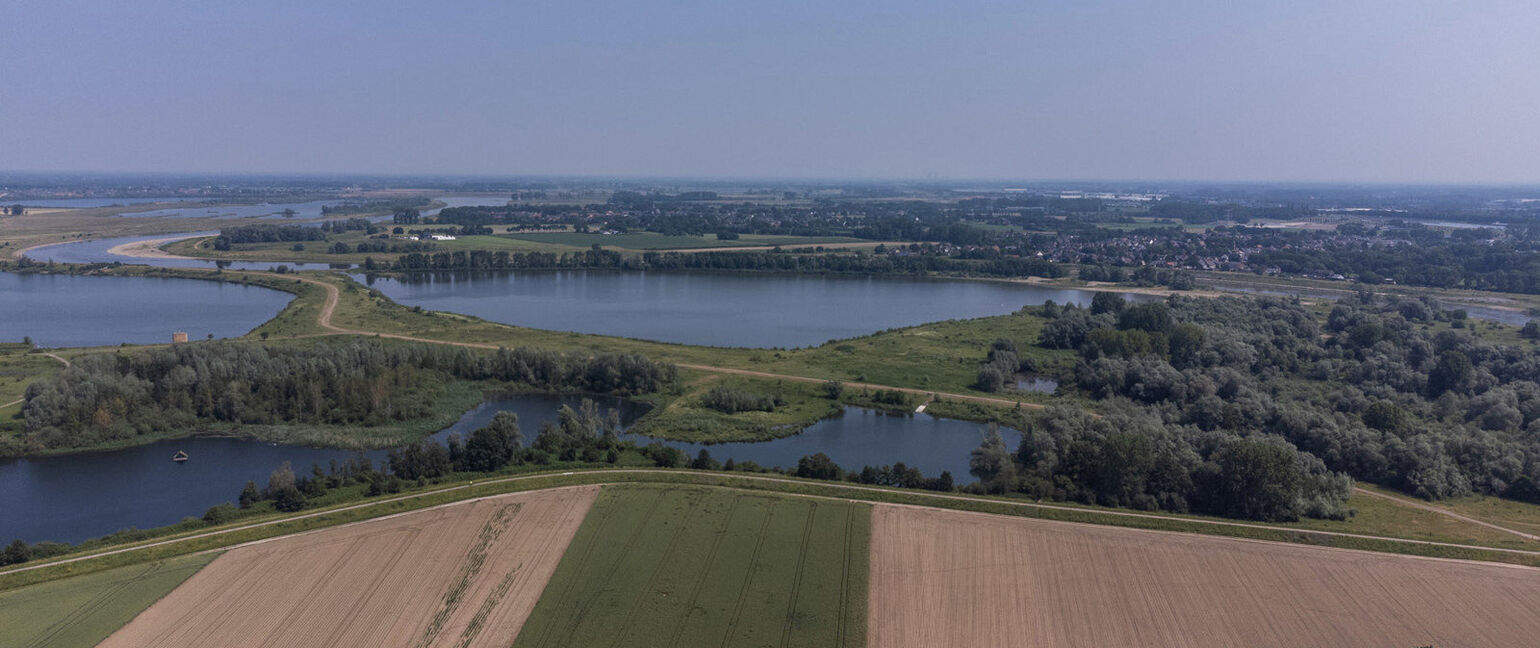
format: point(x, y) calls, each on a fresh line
point(66, 363)
point(333, 294)
point(14, 402)
point(1404, 501)
point(768, 478)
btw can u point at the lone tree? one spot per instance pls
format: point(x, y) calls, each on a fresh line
point(493, 446)
point(249, 495)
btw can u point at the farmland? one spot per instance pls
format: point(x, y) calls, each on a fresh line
point(696, 567)
point(83, 610)
point(461, 575)
point(953, 579)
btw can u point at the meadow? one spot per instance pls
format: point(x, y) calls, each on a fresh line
point(83, 610)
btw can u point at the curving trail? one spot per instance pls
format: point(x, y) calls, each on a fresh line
point(1445, 512)
point(333, 294)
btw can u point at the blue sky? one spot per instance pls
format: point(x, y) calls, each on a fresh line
point(1304, 90)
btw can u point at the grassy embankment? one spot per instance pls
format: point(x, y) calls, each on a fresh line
point(1407, 524)
point(83, 610)
point(708, 567)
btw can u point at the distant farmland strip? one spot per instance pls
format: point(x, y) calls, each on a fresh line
point(948, 578)
point(706, 567)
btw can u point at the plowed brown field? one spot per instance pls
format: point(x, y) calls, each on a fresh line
point(943, 578)
point(459, 575)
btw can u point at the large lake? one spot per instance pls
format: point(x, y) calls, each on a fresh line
point(75, 497)
point(715, 309)
point(69, 311)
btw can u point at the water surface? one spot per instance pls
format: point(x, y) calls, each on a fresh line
point(75, 497)
point(714, 309)
point(71, 310)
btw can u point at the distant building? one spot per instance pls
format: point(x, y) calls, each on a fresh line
point(178, 336)
point(443, 237)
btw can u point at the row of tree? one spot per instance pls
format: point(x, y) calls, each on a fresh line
point(736, 261)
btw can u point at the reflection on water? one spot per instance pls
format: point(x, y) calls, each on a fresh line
point(715, 309)
point(74, 497)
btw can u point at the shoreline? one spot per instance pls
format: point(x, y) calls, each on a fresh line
point(151, 248)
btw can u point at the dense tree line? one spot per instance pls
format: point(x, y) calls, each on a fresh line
point(732, 401)
point(820, 466)
point(737, 261)
point(360, 382)
point(1373, 394)
point(349, 225)
point(265, 233)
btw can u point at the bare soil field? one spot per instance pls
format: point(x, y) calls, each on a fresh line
point(943, 578)
point(458, 575)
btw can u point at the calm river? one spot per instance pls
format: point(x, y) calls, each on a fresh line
point(71, 498)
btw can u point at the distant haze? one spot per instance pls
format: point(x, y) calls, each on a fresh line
point(1392, 90)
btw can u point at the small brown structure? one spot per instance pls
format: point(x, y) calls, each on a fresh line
point(178, 336)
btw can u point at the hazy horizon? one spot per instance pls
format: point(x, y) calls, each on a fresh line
point(1398, 93)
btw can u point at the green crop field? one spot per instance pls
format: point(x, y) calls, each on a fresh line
point(83, 610)
point(698, 567)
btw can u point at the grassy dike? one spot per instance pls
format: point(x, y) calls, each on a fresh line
point(185, 542)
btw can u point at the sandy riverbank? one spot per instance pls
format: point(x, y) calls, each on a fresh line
point(150, 248)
